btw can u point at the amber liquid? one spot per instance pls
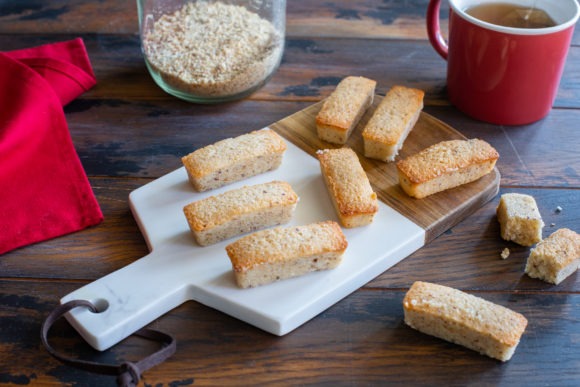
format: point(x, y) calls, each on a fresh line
point(511, 15)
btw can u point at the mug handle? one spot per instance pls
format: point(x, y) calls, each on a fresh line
point(434, 30)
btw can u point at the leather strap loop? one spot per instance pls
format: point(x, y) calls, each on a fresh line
point(128, 373)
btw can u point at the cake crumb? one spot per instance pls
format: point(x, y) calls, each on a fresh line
point(505, 253)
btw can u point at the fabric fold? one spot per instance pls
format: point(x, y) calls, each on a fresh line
point(44, 191)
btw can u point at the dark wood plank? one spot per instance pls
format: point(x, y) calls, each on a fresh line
point(76, 16)
point(121, 147)
point(543, 154)
point(310, 68)
point(337, 18)
point(363, 19)
point(468, 255)
point(120, 138)
point(128, 132)
point(360, 340)
point(90, 253)
point(153, 136)
point(374, 19)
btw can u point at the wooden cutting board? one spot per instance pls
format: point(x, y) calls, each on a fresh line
point(436, 213)
point(178, 270)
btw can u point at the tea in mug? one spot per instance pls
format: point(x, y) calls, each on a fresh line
point(511, 15)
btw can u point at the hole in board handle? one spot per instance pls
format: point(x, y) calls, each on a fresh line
point(101, 305)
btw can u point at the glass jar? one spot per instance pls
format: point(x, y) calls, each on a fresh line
point(209, 51)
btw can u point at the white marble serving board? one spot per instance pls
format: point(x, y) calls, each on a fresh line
point(178, 270)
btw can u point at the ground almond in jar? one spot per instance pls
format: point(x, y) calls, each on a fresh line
point(213, 49)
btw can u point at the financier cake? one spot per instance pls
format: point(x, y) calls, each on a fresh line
point(343, 109)
point(270, 255)
point(391, 122)
point(234, 159)
point(240, 211)
point(445, 165)
point(349, 188)
point(464, 319)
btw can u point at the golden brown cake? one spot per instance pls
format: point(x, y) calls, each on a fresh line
point(343, 109)
point(240, 211)
point(445, 165)
point(349, 188)
point(391, 122)
point(234, 159)
point(284, 252)
point(464, 319)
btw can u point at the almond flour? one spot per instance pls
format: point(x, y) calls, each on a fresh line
point(213, 49)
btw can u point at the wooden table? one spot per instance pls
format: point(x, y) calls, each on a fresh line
point(128, 132)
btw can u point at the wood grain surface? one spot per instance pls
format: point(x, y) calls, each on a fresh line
point(128, 132)
point(436, 213)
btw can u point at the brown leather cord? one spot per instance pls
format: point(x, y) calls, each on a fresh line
point(128, 373)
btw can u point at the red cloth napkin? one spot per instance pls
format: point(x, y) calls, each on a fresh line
point(44, 191)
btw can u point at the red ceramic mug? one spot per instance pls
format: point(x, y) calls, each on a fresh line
point(503, 75)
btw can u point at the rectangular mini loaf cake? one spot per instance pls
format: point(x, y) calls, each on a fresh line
point(349, 188)
point(343, 109)
point(234, 159)
point(519, 219)
point(391, 122)
point(556, 257)
point(240, 211)
point(445, 165)
point(274, 254)
point(463, 319)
